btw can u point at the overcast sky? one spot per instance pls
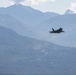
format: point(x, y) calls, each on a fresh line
point(58, 6)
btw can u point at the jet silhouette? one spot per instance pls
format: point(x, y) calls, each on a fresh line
point(57, 31)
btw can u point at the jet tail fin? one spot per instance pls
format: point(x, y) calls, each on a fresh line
point(53, 29)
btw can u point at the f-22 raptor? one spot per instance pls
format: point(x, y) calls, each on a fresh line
point(60, 30)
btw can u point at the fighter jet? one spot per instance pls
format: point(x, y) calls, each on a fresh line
point(56, 31)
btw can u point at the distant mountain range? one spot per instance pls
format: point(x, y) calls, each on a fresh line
point(24, 55)
point(67, 22)
point(26, 14)
point(22, 18)
point(33, 23)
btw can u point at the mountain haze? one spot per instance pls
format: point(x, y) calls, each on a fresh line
point(25, 14)
point(22, 19)
point(33, 23)
point(27, 47)
point(23, 55)
point(67, 22)
point(14, 24)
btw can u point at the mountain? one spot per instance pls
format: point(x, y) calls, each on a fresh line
point(52, 14)
point(25, 14)
point(69, 12)
point(67, 22)
point(16, 25)
point(22, 18)
point(24, 55)
point(10, 22)
point(39, 24)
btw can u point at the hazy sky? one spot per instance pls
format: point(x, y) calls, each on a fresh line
point(59, 6)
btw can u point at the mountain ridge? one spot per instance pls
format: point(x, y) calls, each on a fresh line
point(29, 12)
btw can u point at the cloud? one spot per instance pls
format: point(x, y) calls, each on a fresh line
point(17, 1)
point(40, 1)
point(73, 6)
point(31, 1)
